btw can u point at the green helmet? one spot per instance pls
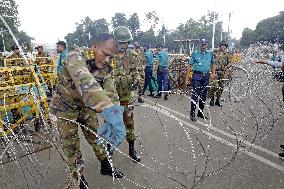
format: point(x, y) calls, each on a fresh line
point(122, 34)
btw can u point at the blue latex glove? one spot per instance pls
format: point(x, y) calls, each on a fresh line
point(113, 129)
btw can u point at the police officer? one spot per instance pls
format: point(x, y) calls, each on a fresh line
point(162, 64)
point(222, 60)
point(61, 48)
point(126, 76)
point(201, 62)
point(79, 91)
point(148, 71)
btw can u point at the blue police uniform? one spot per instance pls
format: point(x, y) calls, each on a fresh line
point(148, 71)
point(163, 71)
point(61, 60)
point(201, 62)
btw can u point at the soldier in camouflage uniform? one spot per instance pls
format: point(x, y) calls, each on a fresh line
point(40, 52)
point(126, 76)
point(222, 60)
point(15, 56)
point(79, 97)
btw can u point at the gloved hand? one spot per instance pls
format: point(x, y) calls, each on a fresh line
point(113, 129)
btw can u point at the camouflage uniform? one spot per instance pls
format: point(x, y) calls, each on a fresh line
point(79, 95)
point(222, 60)
point(127, 76)
point(16, 60)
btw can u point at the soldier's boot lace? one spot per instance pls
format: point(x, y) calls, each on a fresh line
point(133, 154)
point(106, 169)
point(218, 102)
point(212, 101)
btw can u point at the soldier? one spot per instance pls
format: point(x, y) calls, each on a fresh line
point(222, 60)
point(15, 56)
point(40, 52)
point(140, 60)
point(201, 62)
point(126, 75)
point(79, 92)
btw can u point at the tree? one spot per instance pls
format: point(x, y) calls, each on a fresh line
point(9, 12)
point(134, 25)
point(152, 18)
point(119, 19)
point(248, 37)
point(270, 29)
point(86, 32)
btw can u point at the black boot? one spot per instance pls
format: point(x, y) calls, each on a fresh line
point(83, 183)
point(159, 95)
point(199, 114)
point(132, 153)
point(217, 103)
point(151, 94)
point(107, 170)
point(166, 97)
point(140, 100)
point(212, 101)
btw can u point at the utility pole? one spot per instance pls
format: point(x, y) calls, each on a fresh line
point(214, 18)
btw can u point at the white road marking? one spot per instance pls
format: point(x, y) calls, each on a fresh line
point(166, 111)
point(219, 131)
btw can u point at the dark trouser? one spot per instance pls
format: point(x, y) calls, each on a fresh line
point(148, 73)
point(163, 78)
point(199, 85)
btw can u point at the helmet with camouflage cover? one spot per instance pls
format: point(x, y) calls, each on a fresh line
point(122, 34)
point(223, 43)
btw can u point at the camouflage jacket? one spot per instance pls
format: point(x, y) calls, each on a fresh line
point(126, 75)
point(78, 88)
point(43, 54)
point(14, 60)
point(104, 78)
point(41, 59)
point(222, 60)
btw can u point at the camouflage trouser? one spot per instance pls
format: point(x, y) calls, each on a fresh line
point(69, 134)
point(128, 118)
point(217, 86)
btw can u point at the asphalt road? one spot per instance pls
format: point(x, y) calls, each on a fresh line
point(236, 147)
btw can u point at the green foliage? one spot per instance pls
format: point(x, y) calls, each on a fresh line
point(119, 19)
point(86, 32)
point(270, 29)
point(9, 11)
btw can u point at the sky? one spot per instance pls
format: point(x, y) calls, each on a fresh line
point(50, 20)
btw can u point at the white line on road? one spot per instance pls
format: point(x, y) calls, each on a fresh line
point(251, 154)
point(218, 130)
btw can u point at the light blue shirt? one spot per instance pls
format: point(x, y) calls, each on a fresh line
point(275, 64)
point(163, 58)
point(149, 58)
point(62, 58)
point(201, 61)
